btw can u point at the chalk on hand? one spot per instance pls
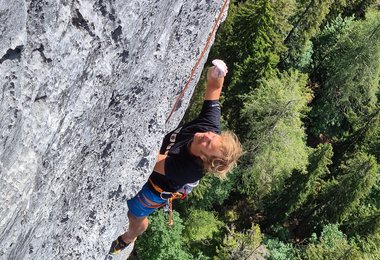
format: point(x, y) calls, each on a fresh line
point(220, 69)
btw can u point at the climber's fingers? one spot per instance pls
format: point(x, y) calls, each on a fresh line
point(219, 70)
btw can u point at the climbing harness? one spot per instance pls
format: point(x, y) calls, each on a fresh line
point(174, 108)
point(169, 197)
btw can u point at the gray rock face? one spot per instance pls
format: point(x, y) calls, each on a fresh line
point(86, 87)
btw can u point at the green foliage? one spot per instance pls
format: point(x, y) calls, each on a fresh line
point(374, 197)
point(274, 139)
point(364, 222)
point(239, 245)
point(224, 48)
point(305, 58)
point(365, 138)
point(332, 245)
point(306, 24)
point(283, 12)
point(251, 24)
point(201, 225)
point(292, 190)
point(370, 246)
point(160, 241)
point(250, 40)
point(255, 46)
point(203, 232)
point(339, 200)
point(357, 8)
point(371, 135)
point(364, 219)
point(347, 66)
point(279, 250)
point(253, 28)
point(211, 191)
point(300, 188)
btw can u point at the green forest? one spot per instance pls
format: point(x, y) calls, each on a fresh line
point(302, 95)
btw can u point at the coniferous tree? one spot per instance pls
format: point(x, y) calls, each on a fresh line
point(250, 42)
point(304, 189)
point(201, 225)
point(299, 190)
point(274, 139)
point(364, 219)
point(370, 244)
point(306, 24)
point(368, 136)
point(162, 242)
point(356, 179)
point(347, 68)
point(256, 43)
point(211, 192)
point(347, 8)
point(332, 244)
point(364, 222)
point(203, 232)
point(239, 245)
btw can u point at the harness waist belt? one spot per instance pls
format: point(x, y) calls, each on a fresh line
point(165, 194)
point(169, 197)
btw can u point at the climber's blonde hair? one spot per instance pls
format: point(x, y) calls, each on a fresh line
point(231, 150)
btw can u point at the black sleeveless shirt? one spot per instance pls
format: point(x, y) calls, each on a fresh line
point(181, 167)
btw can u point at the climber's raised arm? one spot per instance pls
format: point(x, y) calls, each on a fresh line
point(215, 79)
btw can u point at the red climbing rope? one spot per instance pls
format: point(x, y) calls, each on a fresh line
point(199, 60)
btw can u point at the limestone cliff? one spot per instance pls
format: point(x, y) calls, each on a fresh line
point(86, 87)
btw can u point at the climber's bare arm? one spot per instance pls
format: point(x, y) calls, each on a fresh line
point(215, 79)
point(160, 164)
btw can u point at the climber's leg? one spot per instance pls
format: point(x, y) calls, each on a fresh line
point(137, 226)
point(140, 207)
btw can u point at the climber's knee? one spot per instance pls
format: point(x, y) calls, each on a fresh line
point(137, 225)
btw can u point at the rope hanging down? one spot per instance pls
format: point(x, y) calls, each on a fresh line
point(199, 60)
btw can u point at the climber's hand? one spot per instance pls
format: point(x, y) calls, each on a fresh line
point(215, 79)
point(219, 70)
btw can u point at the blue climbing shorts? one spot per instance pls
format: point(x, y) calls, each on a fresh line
point(138, 209)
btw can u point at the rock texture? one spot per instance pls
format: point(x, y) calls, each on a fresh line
point(86, 87)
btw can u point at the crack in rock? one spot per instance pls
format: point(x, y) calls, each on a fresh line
point(12, 54)
point(116, 33)
point(41, 51)
point(79, 22)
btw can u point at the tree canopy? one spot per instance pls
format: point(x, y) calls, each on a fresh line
point(302, 94)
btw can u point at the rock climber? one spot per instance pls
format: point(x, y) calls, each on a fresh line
point(186, 154)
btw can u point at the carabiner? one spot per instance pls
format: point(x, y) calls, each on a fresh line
point(167, 195)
